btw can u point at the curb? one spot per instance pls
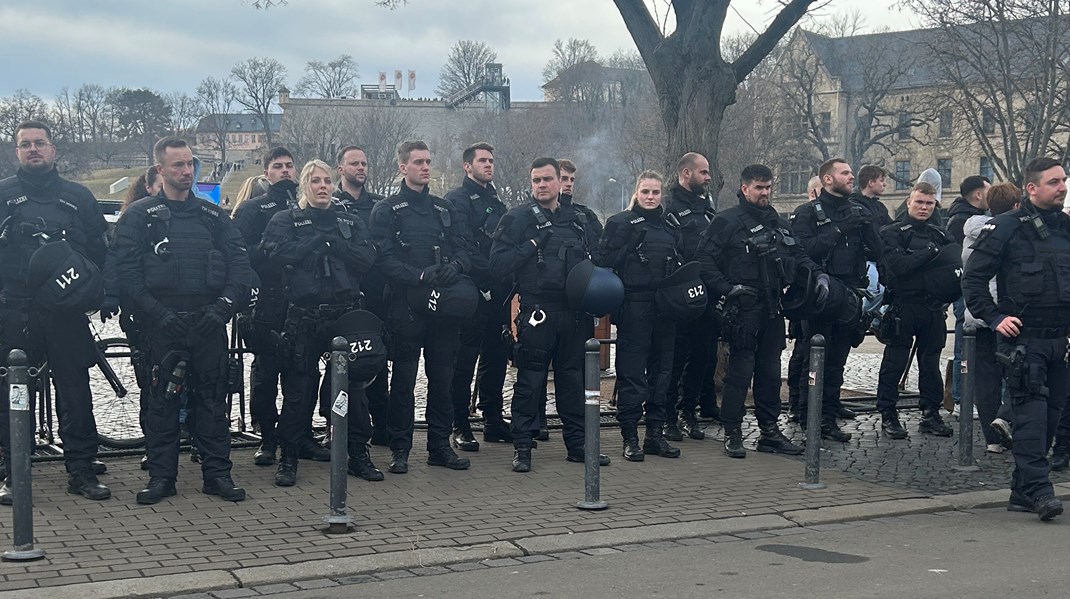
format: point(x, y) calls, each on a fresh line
point(172, 584)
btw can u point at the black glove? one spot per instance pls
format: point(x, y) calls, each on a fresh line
point(214, 318)
point(447, 275)
point(851, 222)
point(542, 237)
point(821, 288)
point(741, 291)
point(429, 275)
point(172, 325)
point(109, 308)
point(316, 243)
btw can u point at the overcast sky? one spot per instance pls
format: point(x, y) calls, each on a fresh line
point(46, 45)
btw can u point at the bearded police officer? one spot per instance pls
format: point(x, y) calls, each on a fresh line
point(51, 248)
point(1028, 251)
point(536, 245)
point(422, 246)
point(749, 256)
point(476, 202)
point(920, 268)
point(183, 268)
point(839, 235)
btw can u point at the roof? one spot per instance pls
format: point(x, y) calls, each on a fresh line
point(240, 123)
point(847, 58)
point(592, 71)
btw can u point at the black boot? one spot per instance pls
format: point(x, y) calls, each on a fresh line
point(361, 465)
point(890, 424)
point(1047, 507)
point(157, 489)
point(83, 482)
point(265, 454)
point(307, 449)
point(1060, 454)
point(286, 475)
point(444, 456)
point(672, 429)
point(497, 431)
point(463, 439)
point(933, 424)
point(522, 458)
point(399, 461)
point(733, 441)
point(831, 431)
point(578, 456)
point(655, 444)
point(224, 487)
point(632, 451)
point(774, 441)
point(689, 425)
point(98, 467)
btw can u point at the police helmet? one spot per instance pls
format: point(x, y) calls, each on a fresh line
point(943, 274)
point(843, 304)
point(65, 279)
point(367, 352)
point(593, 289)
point(682, 295)
point(456, 302)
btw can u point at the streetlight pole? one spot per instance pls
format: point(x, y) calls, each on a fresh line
point(622, 205)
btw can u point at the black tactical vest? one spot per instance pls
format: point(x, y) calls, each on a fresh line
point(184, 258)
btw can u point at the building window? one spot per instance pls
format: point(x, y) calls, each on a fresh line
point(902, 132)
point(986, 168)
point(902, 174)
point(825, 118)
point(945, 124)
point(988, 122)
point(793, 178)
point(943, 166)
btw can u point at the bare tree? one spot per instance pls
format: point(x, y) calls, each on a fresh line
point(379, 130)
point(1003, 64)
point(216, 99)
point(260, 80)
point(567, 54)
point(332, 79)
point(464, 66)
point(185, 112)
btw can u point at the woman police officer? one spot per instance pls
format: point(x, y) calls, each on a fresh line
point(324, 252)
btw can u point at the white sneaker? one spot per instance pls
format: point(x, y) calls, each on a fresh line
point(1004, 429)
point(955, 412)
point(975, 416)
point(994, 448)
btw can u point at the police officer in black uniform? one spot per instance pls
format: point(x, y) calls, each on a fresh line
point(536, 245)
point(476, 201)
point(839, 235)
point(38, 206)
point(695, 356)
point(353, 196)
point(919, 288)
point(324, 252)
point(1028, 251)
point(749, 256)
point(421, 243)
point(184, 268)
point(260, 328)
point(643, 249)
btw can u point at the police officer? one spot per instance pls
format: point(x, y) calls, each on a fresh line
point(695, 356)
point(422, 243)
point(643, 249)
point(323, 252)
point(261, 328)
point(536, 245)
point(918, 288)
point(749, 256)
point(183, 267)
point(1026, 250)
point(476, 202)
point(37, 206)
point(839, 235)
point(353, 196)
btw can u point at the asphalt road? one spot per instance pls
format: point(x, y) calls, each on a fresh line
point(989, 553)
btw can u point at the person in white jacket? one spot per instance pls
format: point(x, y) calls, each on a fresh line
point(994, 415)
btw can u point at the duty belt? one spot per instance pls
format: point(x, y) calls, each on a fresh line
point(1044, 332)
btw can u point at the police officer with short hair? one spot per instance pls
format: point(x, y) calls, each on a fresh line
point(839, 235)
point(323, 252)
point(749, 256)
point(353, 196)
point(643, 249)
point(1028, 251)
point(422, 244)
point(919, 288)
point(476, 202)
point(183, 267)
point(536, 245)
point(47, 225)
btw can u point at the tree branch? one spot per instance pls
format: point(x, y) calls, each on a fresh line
point(784, 21)
point(644, 30)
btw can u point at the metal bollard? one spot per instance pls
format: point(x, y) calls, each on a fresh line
point(591, 422)
point(18, 463)
point(966, 368)
point(338, 521)
point(813, 414)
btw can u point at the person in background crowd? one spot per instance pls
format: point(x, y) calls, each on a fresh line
point(252, 187)
point(147, 184)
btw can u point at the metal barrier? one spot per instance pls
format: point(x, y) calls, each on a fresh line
point(18, 463)
point(591, 414)
point(338, 521)
point(816, 384)
point(968, 390)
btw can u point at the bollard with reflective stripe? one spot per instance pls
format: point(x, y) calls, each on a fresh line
point(816, 384)
point(591, 423)
point(967, 369)
point(18, 463)
point(338, 521)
